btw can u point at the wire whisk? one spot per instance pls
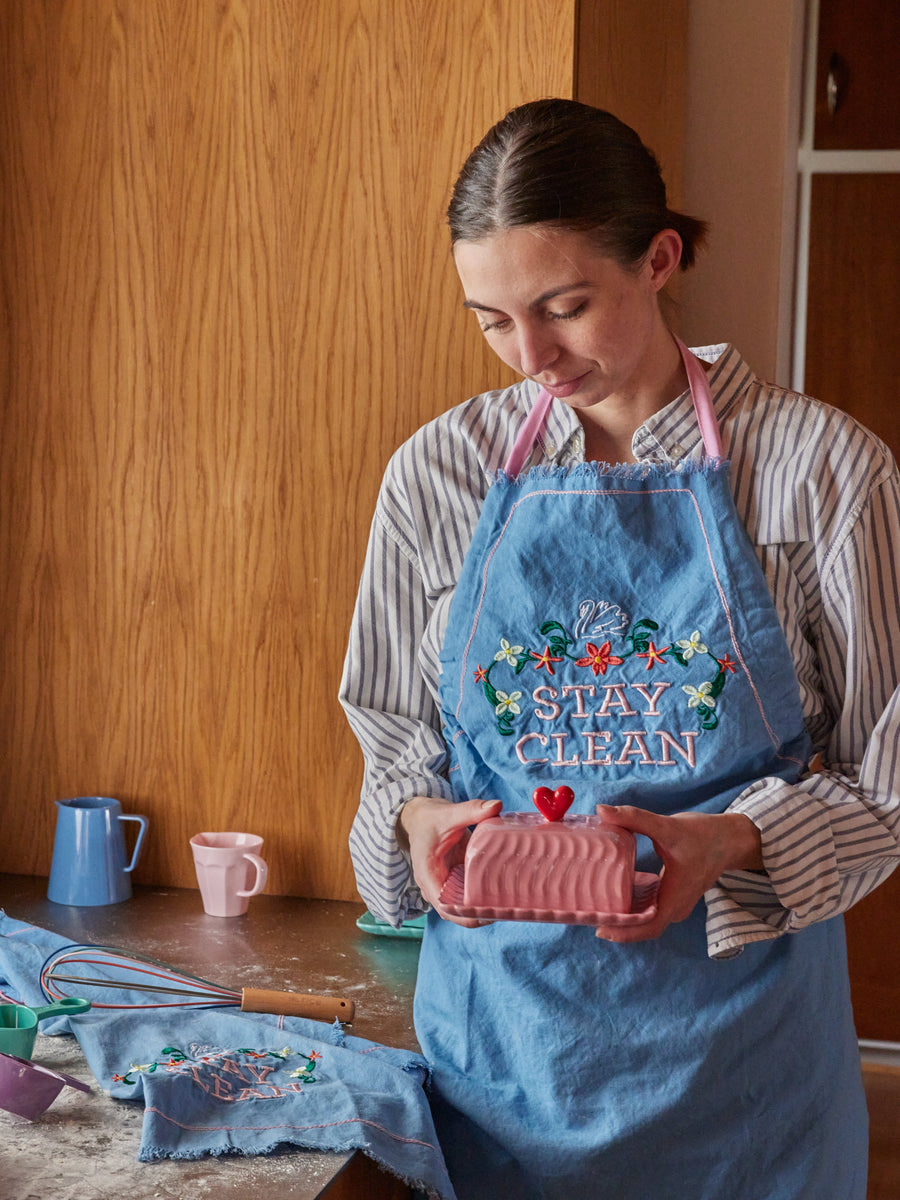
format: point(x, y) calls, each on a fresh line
point(114, 979)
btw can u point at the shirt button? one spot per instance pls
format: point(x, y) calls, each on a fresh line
point(677, 452)
point(551, 449)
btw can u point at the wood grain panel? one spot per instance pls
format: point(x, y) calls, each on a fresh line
point(859, 41)
point(872, 960)
point(632, 61)
point(852, 350)
point(226, 297)
point(853, 362)
point(882, 1084)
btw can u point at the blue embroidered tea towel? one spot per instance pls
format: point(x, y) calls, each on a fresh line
point(219, 1081)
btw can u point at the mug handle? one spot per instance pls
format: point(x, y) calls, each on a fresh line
point(262, 874)
point(140, 837)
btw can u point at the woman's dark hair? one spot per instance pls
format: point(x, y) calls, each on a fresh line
point(571, 166)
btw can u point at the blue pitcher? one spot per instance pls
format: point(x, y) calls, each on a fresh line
point(89, 852)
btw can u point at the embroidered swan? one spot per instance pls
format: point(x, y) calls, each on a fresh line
point(597, 617)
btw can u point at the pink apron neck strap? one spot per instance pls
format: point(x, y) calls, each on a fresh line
point(528, 434)
point(703, 401)
point(700, 396)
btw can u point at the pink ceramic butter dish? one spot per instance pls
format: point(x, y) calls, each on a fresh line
point(574, 870)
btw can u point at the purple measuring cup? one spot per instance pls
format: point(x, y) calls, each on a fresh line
point(27, 1089)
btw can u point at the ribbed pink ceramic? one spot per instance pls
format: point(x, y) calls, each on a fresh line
point(229, 871)
point(574, 871)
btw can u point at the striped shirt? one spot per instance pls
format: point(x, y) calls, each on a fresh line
point(820, 498)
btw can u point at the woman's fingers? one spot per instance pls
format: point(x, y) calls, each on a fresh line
point(438, 831)
point(695, 848)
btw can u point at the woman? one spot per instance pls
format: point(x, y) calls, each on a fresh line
point(529, 615)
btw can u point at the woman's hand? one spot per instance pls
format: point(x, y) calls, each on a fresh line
point(695, 849)
point(436, 832)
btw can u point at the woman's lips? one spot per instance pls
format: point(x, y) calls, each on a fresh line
point(566, 387)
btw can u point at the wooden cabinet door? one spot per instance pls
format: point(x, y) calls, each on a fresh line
point(227, 295)
point(875, 963)
point(858, 68)
point(852, 348)
point(853, 362)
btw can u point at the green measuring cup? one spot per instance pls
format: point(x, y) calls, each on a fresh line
point(18, 1023)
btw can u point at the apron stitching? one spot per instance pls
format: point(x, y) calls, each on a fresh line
point(603, 492)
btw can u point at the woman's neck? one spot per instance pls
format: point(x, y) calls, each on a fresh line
point(609, 428)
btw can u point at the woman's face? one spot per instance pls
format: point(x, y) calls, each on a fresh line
point(557, 310)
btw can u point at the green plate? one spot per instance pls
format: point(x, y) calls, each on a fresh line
point(409, 929)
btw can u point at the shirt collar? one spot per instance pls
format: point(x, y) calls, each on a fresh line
point(672, 434)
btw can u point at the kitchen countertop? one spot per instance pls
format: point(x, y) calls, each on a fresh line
point(85, 1146)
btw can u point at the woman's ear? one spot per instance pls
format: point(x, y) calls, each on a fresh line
point(663, 257)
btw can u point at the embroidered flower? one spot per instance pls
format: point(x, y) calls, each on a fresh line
point(126, 1077)
point(654, 656)
point(701, 695)
point(480, 674)
point(598, 658)
point(508, 703)
point(307, 1072)
point(691, 646)
point(545, 659)
point(727, 664)
point(178, 1061)
point(508, 653)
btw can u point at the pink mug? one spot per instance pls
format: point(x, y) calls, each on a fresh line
point(229, 871)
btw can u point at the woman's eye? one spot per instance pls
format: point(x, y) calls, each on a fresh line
point(504, 323)
point(569, 316)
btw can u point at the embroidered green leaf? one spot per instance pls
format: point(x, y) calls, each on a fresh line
point(646, 623)
point(710, 719)
point(717, 685)
point(639, 637)
point(557, 635)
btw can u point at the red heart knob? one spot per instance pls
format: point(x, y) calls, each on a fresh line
point(553, 805)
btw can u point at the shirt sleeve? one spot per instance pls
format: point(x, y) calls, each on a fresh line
point(831, 838)
point(395, 719)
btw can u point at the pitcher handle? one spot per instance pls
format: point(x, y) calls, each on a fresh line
point(262, 873)
point(140, 837)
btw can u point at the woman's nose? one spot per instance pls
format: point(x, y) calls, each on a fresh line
point(538, 350)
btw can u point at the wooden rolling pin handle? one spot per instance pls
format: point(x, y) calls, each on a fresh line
point(297, 1004)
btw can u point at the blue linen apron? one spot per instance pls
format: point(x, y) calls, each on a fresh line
point(612, 630)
